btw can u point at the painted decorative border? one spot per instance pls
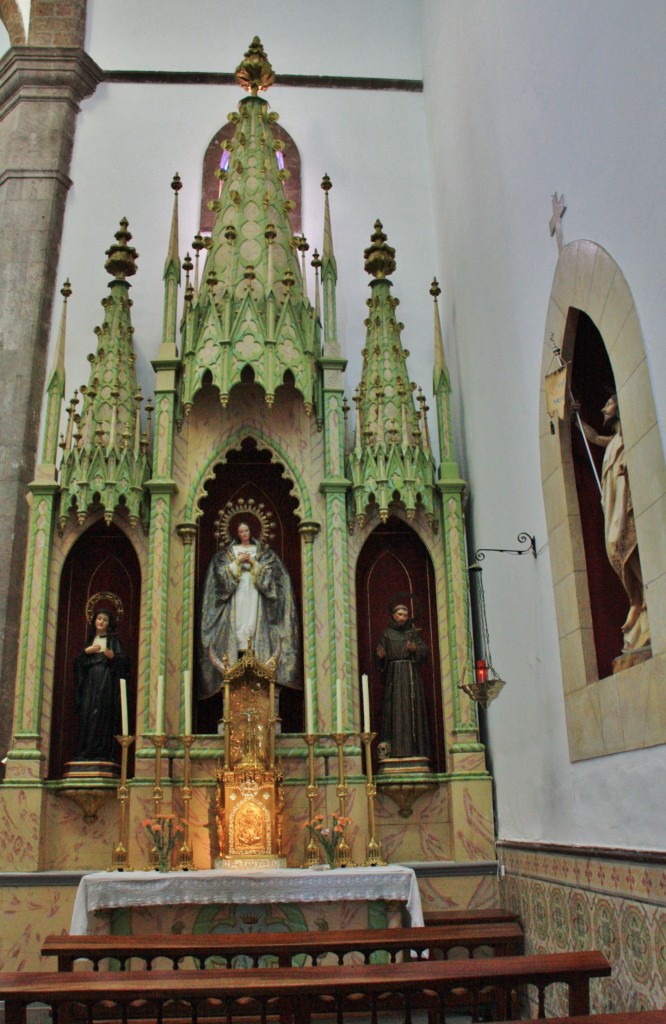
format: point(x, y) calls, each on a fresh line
point(585, 899)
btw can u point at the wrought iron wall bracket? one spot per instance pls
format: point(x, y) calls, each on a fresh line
point(522, 538)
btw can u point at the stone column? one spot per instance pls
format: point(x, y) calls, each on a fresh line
point(40, 91)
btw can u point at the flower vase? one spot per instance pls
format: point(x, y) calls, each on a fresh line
point(164, 860)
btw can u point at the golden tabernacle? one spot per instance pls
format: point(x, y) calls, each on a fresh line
point(249, 787)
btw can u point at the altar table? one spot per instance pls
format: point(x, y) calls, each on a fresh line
point(288, 887)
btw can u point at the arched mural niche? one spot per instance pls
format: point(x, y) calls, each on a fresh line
point(592, 383)
point(601, 712)
point(394, 559)
point(101, 562)
point(249, 474)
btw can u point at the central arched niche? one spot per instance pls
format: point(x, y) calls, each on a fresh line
point(393, 560)
point(249, 473)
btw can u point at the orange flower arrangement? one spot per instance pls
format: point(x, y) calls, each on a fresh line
point(163, 829)
point(329, 838)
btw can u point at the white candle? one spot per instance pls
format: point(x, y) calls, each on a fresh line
point(309, 716)
point(340, 720)
point(187, 701)
point(366, 703)
point(123, 707)
point(159, 716)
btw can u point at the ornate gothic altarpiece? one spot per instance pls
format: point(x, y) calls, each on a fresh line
point(249, 412)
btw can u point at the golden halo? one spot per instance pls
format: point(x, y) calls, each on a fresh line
point(249, 509)
point(106, 597)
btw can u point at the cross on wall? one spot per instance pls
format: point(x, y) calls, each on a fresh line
point(555, 223)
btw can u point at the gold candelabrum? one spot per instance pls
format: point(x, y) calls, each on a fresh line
point(120, 857)
point(311, 850)
point(158, 739)
point(185, 860)
point(342, 852)
point(373, 849)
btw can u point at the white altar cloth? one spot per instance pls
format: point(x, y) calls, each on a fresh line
point(105, 890)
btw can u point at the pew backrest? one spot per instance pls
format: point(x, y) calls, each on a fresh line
point(284, 948)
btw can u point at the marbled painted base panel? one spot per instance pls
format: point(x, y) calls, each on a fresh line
point(28, 915)
point(458, 892)
point(571, 899)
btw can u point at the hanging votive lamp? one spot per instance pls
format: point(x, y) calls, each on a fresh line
point(486, 684)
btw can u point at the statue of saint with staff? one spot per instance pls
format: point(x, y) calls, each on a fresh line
point(619, 523)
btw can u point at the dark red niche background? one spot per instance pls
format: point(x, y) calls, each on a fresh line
point(393, 560)
point(592, 383)
point(102, 559)
point(247, 474)
point(210, 185)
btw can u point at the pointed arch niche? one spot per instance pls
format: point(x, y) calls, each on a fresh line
point(217, 157)
point(395, 559)
point(102, 561)
point(591, 307)
point(249, 473)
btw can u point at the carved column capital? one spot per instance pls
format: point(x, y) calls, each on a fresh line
point(309, 529)
point(187, 532)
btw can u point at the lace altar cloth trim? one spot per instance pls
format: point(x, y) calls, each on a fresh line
point(103, 891)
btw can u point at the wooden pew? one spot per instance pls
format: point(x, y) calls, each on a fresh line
point(493, 915)
point(504, 939)
point(295, 995)
point(632, 1017)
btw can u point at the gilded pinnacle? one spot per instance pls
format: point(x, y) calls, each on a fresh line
point(379, 257)
point(326, 183)
point(176, 183)
point(435, 290)
point(254, 73)
point(66, 290)
point(121, 262)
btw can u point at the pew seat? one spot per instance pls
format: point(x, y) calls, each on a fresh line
point(295, 996)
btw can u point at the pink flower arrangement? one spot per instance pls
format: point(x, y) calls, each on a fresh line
point(329, 838)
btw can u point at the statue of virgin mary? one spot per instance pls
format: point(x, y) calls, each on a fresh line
point(248, 597)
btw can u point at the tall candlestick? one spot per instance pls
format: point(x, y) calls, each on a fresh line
point(340, 726)
point(124, 718)
point(159, 716)
point(366, 703)
point(187, 701)
point(309, 711)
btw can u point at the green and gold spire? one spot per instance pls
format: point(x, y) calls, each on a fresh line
point(105, 450)
point(55, 389)
point(251, 311)
point(391, 461)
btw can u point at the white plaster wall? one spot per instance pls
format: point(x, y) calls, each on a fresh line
point(132, 138)
point(302, 37)
point(525, 98)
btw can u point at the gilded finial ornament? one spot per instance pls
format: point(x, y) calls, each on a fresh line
point(176, 183)
point(121, 262)
point(254, 73)
point(435, 290)
point(379, 257)
point(66, 290)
